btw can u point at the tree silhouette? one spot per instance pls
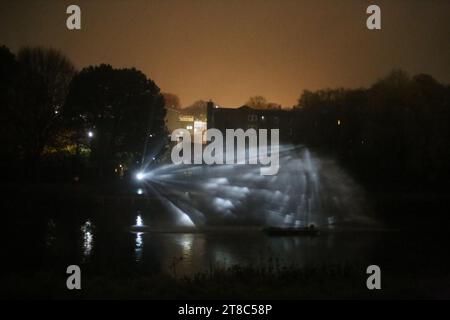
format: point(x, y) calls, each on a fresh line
point(171, 100)
point(8, 78)
point(122, 109)
point(257, 102)
point(197, 109)
point(398, 128)
point(40, 86)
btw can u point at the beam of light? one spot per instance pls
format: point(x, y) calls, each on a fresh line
point(183, 219)
point(224, 205)
point(308, 189)
point(140, 176)
point(143, 175)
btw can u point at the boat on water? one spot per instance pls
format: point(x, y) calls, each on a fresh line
point(292, 231)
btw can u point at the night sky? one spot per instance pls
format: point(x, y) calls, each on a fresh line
point(228, 50)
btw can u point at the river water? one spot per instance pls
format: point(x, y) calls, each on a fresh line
point(106, 240)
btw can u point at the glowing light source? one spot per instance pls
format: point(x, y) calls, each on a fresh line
point(339, 122)
point(140, 176)
point(90, 134)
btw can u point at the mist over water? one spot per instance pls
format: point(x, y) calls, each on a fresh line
point(308, 189)
point(230, 203)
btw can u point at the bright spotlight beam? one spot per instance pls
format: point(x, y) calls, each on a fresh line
point(140, 176)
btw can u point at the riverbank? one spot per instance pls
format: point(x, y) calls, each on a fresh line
point(238, 282)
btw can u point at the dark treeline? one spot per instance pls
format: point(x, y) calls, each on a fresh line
point(394, 134)
point(58, 124)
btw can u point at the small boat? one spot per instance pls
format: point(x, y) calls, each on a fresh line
point(291, 231)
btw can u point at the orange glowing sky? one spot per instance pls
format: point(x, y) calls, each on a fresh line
point(228, 50)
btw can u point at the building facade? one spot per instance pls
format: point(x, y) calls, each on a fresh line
point(246, 117)
point(180, 119)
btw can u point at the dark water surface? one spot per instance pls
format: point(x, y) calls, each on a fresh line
point(111, 240)
point(121, 243)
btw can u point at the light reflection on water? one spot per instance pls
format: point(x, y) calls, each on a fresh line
point(198, 252)
point(201, 251)
point(139, 221)
point(139, 245)
point(185, 242)
point(88, 239)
